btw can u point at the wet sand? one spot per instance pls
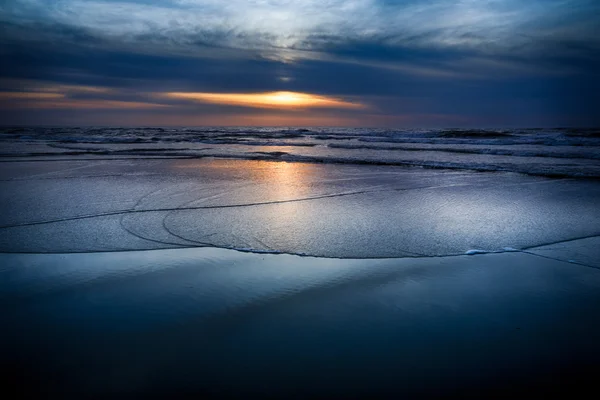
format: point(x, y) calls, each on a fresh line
point(140, 277)
point(326, 210)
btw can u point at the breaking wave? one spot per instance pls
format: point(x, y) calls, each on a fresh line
point(550, 152)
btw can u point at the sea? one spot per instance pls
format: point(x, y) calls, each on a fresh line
point(557, 152)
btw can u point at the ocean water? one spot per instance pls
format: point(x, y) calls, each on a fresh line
point(548, 152)
point(335, 263)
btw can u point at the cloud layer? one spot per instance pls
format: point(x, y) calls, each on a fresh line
point(470, 62)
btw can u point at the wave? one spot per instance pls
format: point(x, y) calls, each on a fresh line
point(506, 141)
point(474, 133)
point(549, 152)
point(551, 171)
point(591, 155)
point(547, 170)
point(256, 143)
point(121, 134)
point(587, 133)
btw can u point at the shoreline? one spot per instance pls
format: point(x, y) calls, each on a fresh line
point(469, 253)
point(579, 175)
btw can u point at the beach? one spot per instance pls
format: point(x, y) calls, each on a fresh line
point(294, 265)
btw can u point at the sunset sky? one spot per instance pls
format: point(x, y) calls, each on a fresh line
point(396, 63)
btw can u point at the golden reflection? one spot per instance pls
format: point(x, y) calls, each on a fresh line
point(276, 224)
point(286, 100)
point(272, 187)
point(283, 180)
point(277, 180)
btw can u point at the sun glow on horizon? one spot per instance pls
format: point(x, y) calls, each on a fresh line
point(30, 96)
point(285, 100)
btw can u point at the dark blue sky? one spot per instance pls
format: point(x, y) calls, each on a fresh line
point(357, 62)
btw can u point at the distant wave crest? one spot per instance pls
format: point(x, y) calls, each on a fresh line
point(551, 152)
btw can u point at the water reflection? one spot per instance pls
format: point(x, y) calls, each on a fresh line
point(274, 181)
point(276, 226)
point(283, 180)
point(216, 321)
point(275, 191)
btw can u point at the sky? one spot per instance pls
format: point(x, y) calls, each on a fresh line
point(388, 63)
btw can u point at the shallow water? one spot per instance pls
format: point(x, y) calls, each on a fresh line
point(221, 322)
point(345, 211)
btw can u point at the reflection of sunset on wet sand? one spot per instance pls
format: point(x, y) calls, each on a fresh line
point(287, 186)
point(278, 180)
point(285, 180)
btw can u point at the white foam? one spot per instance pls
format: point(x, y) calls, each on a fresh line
point(509, 249)
point(476, 251)
point(258, 251)
point(473, 252)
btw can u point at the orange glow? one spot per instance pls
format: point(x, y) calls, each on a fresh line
point(282, 180)
point(71, 88)
point(32, 100)
point(97, 104)
point(29, 96)
point(31, 86)
point(286, 100)
point(291, 118)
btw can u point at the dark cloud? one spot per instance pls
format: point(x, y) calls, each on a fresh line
point(542, 76)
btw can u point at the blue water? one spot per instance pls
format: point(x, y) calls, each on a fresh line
point(219, 322)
